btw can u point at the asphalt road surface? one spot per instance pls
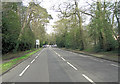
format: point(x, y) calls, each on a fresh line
point(56, 65)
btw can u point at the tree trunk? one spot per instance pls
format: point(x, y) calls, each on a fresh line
point(21, 32)
point(119, 38)
point(80, 26)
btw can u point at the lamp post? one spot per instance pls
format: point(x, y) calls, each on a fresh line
point(118, 20)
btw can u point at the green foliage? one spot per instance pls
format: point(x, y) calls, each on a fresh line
point(101, 30)
point(28, 40)
point(20, 28)
point(98, 35)
point(10, 30)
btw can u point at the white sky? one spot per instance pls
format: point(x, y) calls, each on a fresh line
point(49, 3)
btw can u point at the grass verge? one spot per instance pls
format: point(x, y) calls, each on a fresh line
point(7, 65)
point(112, 56)
point(11, 55)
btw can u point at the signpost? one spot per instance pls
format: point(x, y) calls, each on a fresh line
point(37, 43)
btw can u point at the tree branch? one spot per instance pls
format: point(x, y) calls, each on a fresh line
point(86, 13)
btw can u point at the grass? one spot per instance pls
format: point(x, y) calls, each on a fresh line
point(11, 55)
point(107, 53)
point(89, 50)
point(7, 65)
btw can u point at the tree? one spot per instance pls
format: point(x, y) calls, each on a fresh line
point(71, 12)
point(10, 26)
point(22, 26)
point(35, 14)
point(100, 33)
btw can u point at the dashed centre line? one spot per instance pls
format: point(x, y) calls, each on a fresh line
point(36, 57)
point(63, 59)
point(72, 66)
point(24, 70)
point(29, 65)
point(58, 55)
point(76, 68)
point(67, 62)
point(32, 61)
point(88, 79)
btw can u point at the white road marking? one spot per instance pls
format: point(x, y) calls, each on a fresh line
point(24, 70)
point(88, 79)
point(40, 52)
point(114, 65)
point(55, 52)
point(29, 65)
point(72, 66)
point(58, 55)
point(32, 61)
point(63, 59)
point(36, 57)
point(83, 56)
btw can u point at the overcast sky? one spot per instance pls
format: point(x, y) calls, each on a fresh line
point(48, 5)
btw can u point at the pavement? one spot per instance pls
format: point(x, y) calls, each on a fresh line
point(57, 65)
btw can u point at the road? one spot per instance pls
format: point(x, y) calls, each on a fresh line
point(56, 65)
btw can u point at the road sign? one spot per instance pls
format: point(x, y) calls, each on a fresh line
point(37, 42)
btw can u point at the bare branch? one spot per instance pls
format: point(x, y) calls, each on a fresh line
point(86, 13)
